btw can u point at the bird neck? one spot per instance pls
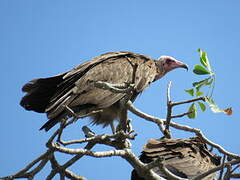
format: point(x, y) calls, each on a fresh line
point(160, 70)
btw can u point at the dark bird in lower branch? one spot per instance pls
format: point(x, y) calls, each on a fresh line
point(185, 158)
point(75, 89)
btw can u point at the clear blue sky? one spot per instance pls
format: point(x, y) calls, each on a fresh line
point(43, 38)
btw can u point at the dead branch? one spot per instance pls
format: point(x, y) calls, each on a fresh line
point(180, 127)
point(121, 144)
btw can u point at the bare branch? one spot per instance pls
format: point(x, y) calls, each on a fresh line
point(167, 133)
point(140, 167)
point(69, 174)
point(188, 101)
point(237, 176)
point(235, 168)
point(169, 174)
point(143, 115)
point(233, 162)
point(181, 115)
point(221, 172)
point(24, 172)
point(87, 152)
point(103, 139)
point(197, 132)
point(120, 141)
point(159, 162)
point(228, 173)
point(69, 162)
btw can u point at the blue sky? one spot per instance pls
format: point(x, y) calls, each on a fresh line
point(44, 38)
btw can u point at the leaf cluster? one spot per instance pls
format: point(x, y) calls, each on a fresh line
point(204, 68)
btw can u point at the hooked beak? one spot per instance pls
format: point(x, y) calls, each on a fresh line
point(179, 64)
point(185, 66)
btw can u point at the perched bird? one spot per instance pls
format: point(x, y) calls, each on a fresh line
point(75, 89)
point(185, 158)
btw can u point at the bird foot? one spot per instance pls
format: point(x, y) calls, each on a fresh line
point(128, 128)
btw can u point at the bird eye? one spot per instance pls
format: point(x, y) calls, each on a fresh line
point(168, 61)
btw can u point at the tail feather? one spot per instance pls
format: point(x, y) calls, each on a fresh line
point(39, 92)
point(84, 109)
point(52, 122)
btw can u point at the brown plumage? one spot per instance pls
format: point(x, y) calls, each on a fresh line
point(185, 158)
point(75, 88)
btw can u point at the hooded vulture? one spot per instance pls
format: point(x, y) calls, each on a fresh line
point(75, 89)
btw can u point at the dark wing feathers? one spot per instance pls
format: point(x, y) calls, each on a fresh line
point(183, 157)
point(39, 91)
point(74, 88)
point(113, 68)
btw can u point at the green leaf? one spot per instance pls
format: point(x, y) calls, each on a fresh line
point(190, 91)
point(209, 100)
point(199, 84)
point(204, 59)
point(202, 106)
point(198, 69)
point(210, 82)
point(192, 109)
point(199, 93)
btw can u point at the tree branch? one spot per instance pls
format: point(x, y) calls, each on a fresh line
point(233, 162)
point(24, 172)
point(120, 141)
point(197, 132)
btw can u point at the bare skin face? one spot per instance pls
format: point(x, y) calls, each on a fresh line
point(168, 63)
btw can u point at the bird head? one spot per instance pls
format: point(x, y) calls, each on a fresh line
point(166, 64)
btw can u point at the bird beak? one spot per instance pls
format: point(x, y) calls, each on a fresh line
point(185, 66)
point(179, 64)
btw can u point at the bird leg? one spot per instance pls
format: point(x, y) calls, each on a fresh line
point(123, 119)
point(128, 127)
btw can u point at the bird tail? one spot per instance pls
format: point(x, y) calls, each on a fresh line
point(39, 92)
point(52, 122)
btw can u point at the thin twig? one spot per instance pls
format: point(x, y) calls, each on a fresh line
point(70, 162)
point(69, 174)
point(101, 138)
point(88, 152)
point(188, 101)
point(235, 176)
point(158, 121)
point(167, 132)
point(169, 174)
point(233, 162)
point(181, 115)
point(221, 172)
point(235, 168)
point(159, 162)
point(228, 172)
point(23, 173)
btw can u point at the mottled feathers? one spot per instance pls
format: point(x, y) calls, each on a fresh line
point(75, 88)
point(185, 158)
